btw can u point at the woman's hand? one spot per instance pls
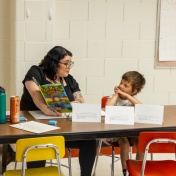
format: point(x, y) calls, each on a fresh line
point(54, 111)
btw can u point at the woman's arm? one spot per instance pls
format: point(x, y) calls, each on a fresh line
point(38, 99)
point(78, 97)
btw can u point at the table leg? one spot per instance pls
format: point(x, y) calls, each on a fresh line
point(1, 146)
point(4, 158)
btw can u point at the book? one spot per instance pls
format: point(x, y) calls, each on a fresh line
point(55, 97)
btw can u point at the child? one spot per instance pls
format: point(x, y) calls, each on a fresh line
point(132, 82)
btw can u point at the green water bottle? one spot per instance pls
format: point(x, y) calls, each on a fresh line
point(2, 105)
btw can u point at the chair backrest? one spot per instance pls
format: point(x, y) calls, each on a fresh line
point(103, 101)
point(40, 153)
point(145, 137)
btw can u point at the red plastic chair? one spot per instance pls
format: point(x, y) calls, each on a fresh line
point(108, 148)
point(103, 101)
point(155, 142)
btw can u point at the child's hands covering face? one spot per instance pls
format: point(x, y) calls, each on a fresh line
point(120, 92)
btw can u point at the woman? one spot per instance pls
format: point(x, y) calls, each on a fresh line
point(54, 68)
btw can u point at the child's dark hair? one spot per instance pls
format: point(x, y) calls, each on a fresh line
point(136, 79)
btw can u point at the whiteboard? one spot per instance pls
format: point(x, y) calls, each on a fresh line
point(167, 31)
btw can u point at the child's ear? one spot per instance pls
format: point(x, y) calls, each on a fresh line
point(134, 92)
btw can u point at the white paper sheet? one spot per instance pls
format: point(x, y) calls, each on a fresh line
point(86, 112)
point(35, 127)
point(151, 114)
point(38, 115)
point(119, 115)
point(167, 37)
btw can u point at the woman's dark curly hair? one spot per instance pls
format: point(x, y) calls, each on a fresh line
point(50, 63)
point(136, 79)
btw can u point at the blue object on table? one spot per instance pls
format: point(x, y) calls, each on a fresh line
point(23, 119)
point(52, 122)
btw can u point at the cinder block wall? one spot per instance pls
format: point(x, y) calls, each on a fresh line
point(106, 37)
point(4, 47)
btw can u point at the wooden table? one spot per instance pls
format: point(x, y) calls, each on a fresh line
point(78, 130)
point(92, 130)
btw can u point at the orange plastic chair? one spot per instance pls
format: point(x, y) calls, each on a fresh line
point(108, 148)
point(73, 153)
point(105, 150)
point(155, 142)
point(103, 101)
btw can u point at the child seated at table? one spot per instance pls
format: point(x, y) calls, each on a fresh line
point(131, 83)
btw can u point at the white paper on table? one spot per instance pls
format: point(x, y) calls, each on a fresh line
point(35, 127)
point(38, 115)
point(151, 114)
point(86, 112)
point(119, 115)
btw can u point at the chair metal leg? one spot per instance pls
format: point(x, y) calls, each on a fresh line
point(113, 157)
point(69, 162)
point(131, 152)
point(4, 157)
point(112, 164)
point(97, 156)
point(15, 165)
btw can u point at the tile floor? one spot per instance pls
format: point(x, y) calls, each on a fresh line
point(103, 167)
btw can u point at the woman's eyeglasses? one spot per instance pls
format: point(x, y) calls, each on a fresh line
point(68, 64)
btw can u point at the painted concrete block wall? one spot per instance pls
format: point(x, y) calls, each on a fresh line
point(106, 37)
point(4, 46)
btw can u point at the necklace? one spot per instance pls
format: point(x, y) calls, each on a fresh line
point(57, 81)
point(52, 81)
